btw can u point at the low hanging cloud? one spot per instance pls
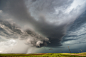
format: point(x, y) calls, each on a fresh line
point(12, 31)
point(49, 18)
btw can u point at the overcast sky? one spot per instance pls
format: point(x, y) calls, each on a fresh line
point(41, 23)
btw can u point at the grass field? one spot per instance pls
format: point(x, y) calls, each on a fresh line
point(46, 55)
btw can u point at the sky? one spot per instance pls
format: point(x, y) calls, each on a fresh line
point(35, 26)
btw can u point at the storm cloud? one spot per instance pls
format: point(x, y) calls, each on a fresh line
point(39, 22)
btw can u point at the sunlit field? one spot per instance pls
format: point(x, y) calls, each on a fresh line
point(46, 55)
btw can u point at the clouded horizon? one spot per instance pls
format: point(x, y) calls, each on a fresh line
point(42, 23)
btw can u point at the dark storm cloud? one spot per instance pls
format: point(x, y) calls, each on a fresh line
point(80, 21)
point(53, 32)
point(17, 10)
point(12, 31)
point(20, 12)
point(77, 30)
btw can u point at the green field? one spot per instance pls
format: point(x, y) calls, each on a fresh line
point(46, 55)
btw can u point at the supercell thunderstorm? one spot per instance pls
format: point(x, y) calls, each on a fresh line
point(39, 23)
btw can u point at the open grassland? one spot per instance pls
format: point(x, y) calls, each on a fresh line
point(46, 55)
